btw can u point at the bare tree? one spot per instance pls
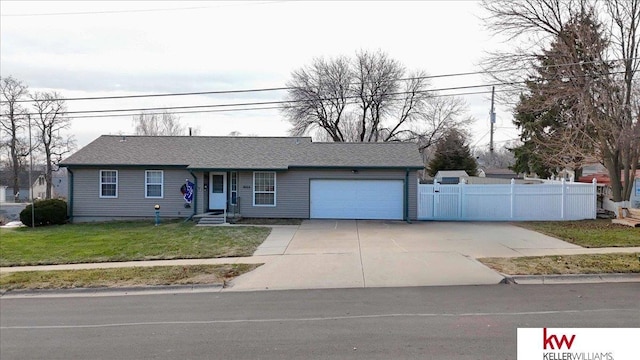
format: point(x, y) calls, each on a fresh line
point(369, 98)
point(165, 124)
point(625, 16)
point(13, 121)
point(439, 116)
point(319, 94)
point(600, 93)
point(501, 158)
point(376, 81)
point(50, 119)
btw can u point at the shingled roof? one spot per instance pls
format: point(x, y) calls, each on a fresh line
point(238, 153)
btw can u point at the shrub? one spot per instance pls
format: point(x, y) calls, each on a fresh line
point(46, 212)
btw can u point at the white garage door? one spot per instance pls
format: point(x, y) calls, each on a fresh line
point(356, 199)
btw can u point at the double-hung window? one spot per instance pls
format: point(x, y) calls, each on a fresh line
point(108, 183)
point(264, 188)
point(153, 183)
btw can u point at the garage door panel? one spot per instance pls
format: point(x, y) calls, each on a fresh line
point(356, 199)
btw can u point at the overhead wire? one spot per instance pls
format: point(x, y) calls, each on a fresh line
point(269, 89)
point(278, 102)
point(252, 106)
point(136, 10)
point(249, 108)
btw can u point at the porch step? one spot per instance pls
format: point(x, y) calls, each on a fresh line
point(211, 220)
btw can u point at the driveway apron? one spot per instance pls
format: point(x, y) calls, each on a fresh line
point(357, 253)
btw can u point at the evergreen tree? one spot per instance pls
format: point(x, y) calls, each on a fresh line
point(556, 129)
point(452, 153)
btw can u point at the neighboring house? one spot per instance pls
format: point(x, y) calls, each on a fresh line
point(498, 173)
point(59, 185)
point(478, 180)
point(451, 176)
point(593, 168)
point(117, 177)
point(604, 189)
point(23, 195)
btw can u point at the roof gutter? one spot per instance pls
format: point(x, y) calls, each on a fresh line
point(302, 167)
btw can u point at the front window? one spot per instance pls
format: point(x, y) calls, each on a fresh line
point(108, 183)
point(264, 188)
point(153, 183)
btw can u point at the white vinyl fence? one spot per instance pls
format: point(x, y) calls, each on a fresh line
point(510, 202)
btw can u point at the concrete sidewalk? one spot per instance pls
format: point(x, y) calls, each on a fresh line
point(146, 263)
point(275, 244)
point(348, 253)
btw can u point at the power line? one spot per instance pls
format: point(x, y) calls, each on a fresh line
point(218, 92)
point(280, 101)
point(286, 101)
point(269, 89)
point(253, 105)
point(263, 102)
point(135, 10)
point(105, 12)
point(247, 109)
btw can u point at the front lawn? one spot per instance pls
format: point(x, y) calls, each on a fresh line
point(119, 277)
point(588, 233)
point(125, 241)
point(566, 264)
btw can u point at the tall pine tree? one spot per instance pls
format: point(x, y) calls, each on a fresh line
point(452, 153)
point(555, 130)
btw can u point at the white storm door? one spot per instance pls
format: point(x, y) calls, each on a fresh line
point(218, 191)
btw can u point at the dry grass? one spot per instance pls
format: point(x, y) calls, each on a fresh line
point(123, 277)
point(588, 233)
point(566, 264)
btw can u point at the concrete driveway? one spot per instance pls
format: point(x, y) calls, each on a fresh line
point(356, 253)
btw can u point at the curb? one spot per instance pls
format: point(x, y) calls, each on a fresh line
point(114, 290)
point(569, 278)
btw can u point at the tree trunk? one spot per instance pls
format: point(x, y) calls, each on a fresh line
point(612, 162)
point(15, 164)
point(48, 175)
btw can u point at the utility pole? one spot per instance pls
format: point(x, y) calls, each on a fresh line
point(492, 117)
point(33, 203)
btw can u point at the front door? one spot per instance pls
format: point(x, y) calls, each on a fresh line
point(217, 191)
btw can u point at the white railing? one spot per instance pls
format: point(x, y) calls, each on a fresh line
point(511, 202)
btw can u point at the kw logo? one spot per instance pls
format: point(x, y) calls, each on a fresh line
point(550, 340)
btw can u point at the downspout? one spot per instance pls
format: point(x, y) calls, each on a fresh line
point(406, 196)
point(195, 196)
point(70, 188)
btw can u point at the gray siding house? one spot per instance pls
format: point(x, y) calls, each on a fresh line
point(124, 177)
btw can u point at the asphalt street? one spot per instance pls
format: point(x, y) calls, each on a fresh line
point(453, 322)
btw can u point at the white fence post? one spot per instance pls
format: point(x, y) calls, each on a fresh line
point(436, 198)
point(512, 200)
point(460, 196)
point(594, 193)
point(563, 192)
